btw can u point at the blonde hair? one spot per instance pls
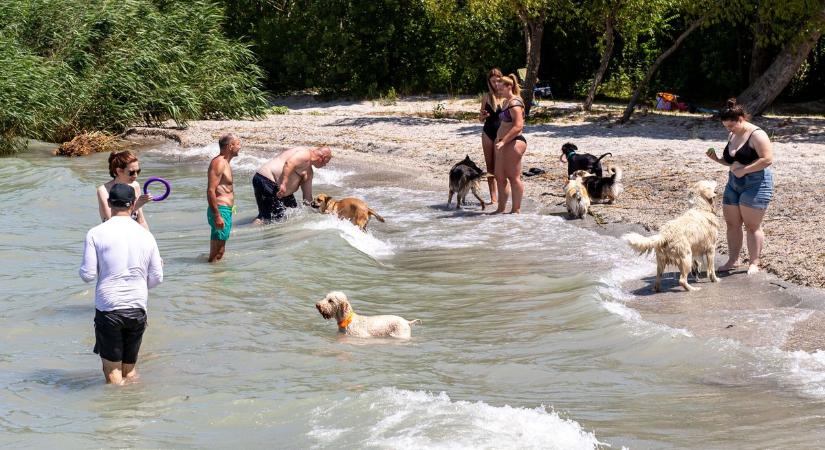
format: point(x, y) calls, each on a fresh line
point(512, 81)
point(492, 98)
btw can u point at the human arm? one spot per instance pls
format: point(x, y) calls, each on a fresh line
point(763, 147)
point(290, 180)
point(711, 153)
point(88, 268)
point(155, 272)
point(103, 203)
point(137, 207)
point(306, 187)
point(216, 168)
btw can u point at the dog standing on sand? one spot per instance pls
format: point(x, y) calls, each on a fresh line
point(581, 161)
point(353, 209)
point(335, 304)
point(576, 197)
point(605, 189)
point(465, 176)
point(690, 236)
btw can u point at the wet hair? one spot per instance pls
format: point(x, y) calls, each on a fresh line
point(492, 98)
point(119, 160)
point(512, 81)
point(225, 140)
point(733, 111)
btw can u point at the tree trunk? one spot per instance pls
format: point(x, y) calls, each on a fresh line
point(762, 92)
point(533, 32)
point(609, 39)
point(643, 84)
point(759, 52)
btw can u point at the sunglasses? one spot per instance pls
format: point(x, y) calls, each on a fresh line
point(134, 172)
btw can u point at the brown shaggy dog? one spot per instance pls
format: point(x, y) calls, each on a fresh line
point(335, 304)
point(575, 194)
point(350, 208)
point(685, 238)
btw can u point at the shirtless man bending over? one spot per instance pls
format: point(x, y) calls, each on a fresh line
point(220, 194)
point(277, 180)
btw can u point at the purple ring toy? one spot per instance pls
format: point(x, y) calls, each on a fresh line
point(157, 180)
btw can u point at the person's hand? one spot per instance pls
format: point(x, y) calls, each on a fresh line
point(499, 145)
point(281, 192)
point(711, 153)
point(219, 223)
point(142, 200)
point(737, 169)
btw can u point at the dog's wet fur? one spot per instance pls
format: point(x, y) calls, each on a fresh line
point(576, 197)
point(686, 239)
point(581, 161)
point(465, 176)
point(350, 208)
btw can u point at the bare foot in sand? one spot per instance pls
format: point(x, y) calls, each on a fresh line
point(518, 211)
point(752, 269)
point(728, 266)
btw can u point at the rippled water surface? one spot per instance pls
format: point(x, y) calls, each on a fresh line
point(524, 341)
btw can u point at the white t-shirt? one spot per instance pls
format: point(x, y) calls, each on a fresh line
point(125, 259)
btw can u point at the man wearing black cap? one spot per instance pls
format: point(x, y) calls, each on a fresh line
point(124, 258)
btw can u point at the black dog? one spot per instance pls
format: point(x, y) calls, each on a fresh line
point(606, 189)
point(465, 176)
point(583, 161)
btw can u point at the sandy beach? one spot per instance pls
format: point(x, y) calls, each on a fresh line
point(417, 140)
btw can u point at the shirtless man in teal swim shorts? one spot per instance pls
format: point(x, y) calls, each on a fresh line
point(220, 194)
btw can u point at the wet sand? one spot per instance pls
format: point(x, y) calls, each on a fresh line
point(398, 145)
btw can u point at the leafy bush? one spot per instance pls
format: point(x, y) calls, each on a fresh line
point(279, 110)
point(81, 65)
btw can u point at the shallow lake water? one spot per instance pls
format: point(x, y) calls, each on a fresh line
point(525, 342)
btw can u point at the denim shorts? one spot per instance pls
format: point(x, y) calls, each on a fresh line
point(754, 190)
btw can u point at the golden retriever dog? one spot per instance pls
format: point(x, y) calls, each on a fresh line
point(335, 304)
point(575, 194)
point(685, 238)
point(353, 209)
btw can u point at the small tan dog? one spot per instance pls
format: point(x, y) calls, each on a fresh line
point(353, 209)
point(335, 304)
point(690, 236)
point(575, 194)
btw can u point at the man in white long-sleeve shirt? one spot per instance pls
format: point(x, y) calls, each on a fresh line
point(124, 258)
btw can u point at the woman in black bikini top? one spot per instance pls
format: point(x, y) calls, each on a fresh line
point(750, 184)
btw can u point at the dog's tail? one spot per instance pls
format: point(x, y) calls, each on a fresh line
point(414, 322)
point(375, 214)
point(641, 243)
point(606, 154)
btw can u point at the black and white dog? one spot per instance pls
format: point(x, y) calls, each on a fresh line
point(464, 177)
point(605, 189)
point(581, 161)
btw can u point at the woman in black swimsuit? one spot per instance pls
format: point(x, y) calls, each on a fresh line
point(490, 107)
point(124, 168)
point(510, 144)
point(750, 184)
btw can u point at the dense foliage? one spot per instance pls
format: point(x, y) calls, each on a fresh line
point(75, 65)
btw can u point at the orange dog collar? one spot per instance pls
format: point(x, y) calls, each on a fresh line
point(345, 323)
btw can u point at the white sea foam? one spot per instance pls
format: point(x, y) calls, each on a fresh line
point(397, 418)
point(363, 242)
point(807, 372)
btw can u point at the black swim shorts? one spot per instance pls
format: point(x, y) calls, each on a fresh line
point(118, 334)
point(270, 207)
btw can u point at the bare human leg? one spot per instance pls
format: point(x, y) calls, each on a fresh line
point(488, 146)
point(733, 221)
point(752, 218)
point(511, 160)
point(112, 371)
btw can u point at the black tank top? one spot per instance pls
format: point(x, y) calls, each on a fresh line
point(745, 155)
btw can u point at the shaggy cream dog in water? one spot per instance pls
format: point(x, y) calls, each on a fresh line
point(335, 304)
point(685, 238)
